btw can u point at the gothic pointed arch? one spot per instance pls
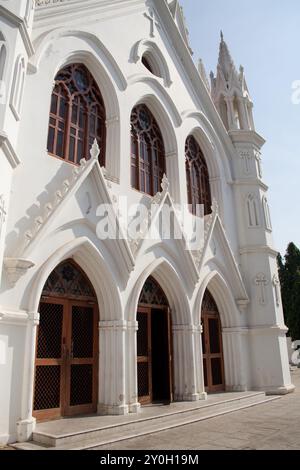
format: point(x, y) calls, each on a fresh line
point(66, 363)
point(3, 57)
point(197, 175)
point(147, 151)
point(77, 115)
point(212, 345)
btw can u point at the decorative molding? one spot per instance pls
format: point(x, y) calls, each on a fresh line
point(258, 160)
point(259, 329)
point(16, 268)
point(51, 206)
point(18, 87)
point(252, 211)
point(276, 285)
point(8, 150)
point(186, 328)
point(150, 15)
point(249, 182)
point(42, 3)
point(118, 325)
point(246, 158)
point(3, 213)
point(159, 63)
point(21, 24)
point(261, 282)
point(267, 215)
point(258, 249)
point(9, 317)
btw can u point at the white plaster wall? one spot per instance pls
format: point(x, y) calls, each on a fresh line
point(180, 109)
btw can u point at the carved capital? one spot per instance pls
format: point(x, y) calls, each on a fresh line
point(16, 268)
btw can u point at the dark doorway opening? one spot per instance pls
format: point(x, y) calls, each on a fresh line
point(154, 351)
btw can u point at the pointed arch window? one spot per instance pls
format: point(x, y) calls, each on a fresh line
point(147, 151)
point(197, 175)
point(18, 87)
point(252, 211)
point(77, 115)
point(267, 215)
point(3, 54)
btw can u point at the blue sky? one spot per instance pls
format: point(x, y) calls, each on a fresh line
point(263, 36)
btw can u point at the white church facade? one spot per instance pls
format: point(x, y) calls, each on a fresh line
point(101, 100)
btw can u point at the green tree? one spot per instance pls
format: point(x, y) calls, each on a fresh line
point(289, 273)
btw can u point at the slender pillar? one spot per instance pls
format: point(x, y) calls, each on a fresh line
point(132, 389)
point(112, 368)
point(26, 425)
point(184, 364)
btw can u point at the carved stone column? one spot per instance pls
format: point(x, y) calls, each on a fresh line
point(184, 363)
point(112, 368)
point(234, 360)
point(112, 162)
point(131, 351)
point(26, 425)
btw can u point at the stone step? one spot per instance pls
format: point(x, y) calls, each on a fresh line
point(128, 428)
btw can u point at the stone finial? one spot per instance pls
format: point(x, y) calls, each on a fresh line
point(95, 150)
point(165, 184)
point(215, 206)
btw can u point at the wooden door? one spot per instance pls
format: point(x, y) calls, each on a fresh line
point(212, 347)
point(66, 359)
point(81, 365)
point(144, 356)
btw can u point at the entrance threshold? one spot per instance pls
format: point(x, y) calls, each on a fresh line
point(95, 431)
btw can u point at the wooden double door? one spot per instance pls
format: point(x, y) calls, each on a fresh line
point(154, 355)
point(66, 360)
point(212, 347)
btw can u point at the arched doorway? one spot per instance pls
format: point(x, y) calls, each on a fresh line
point(154, 351)
point(212, 346)
point(66, 366)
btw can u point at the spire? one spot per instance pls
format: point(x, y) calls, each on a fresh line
point(225, 63)
point(230, 92)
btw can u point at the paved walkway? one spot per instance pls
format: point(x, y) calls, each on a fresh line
point(271, 426)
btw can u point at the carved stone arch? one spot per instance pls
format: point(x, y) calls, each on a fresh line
point(218, 157)
point(87, 256)
point(197, 175)
point(156, 88)
point(3, 59)
point(88, 57)
point(18, 86)
point(231, 322)
point(166, 126)
point(154, 57)
point(221, 292)
point(44, 40)
point(166, 276)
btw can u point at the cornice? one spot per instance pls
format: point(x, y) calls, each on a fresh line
point(8, 317)
point(8, 150)
point(79, 8)
point(20, 23)
point(258, 249)
point(249, 182)
point(247, 137)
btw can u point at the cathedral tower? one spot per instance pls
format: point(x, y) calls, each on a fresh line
point(258, 257)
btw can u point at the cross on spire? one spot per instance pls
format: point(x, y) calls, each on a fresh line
point(153, 23)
